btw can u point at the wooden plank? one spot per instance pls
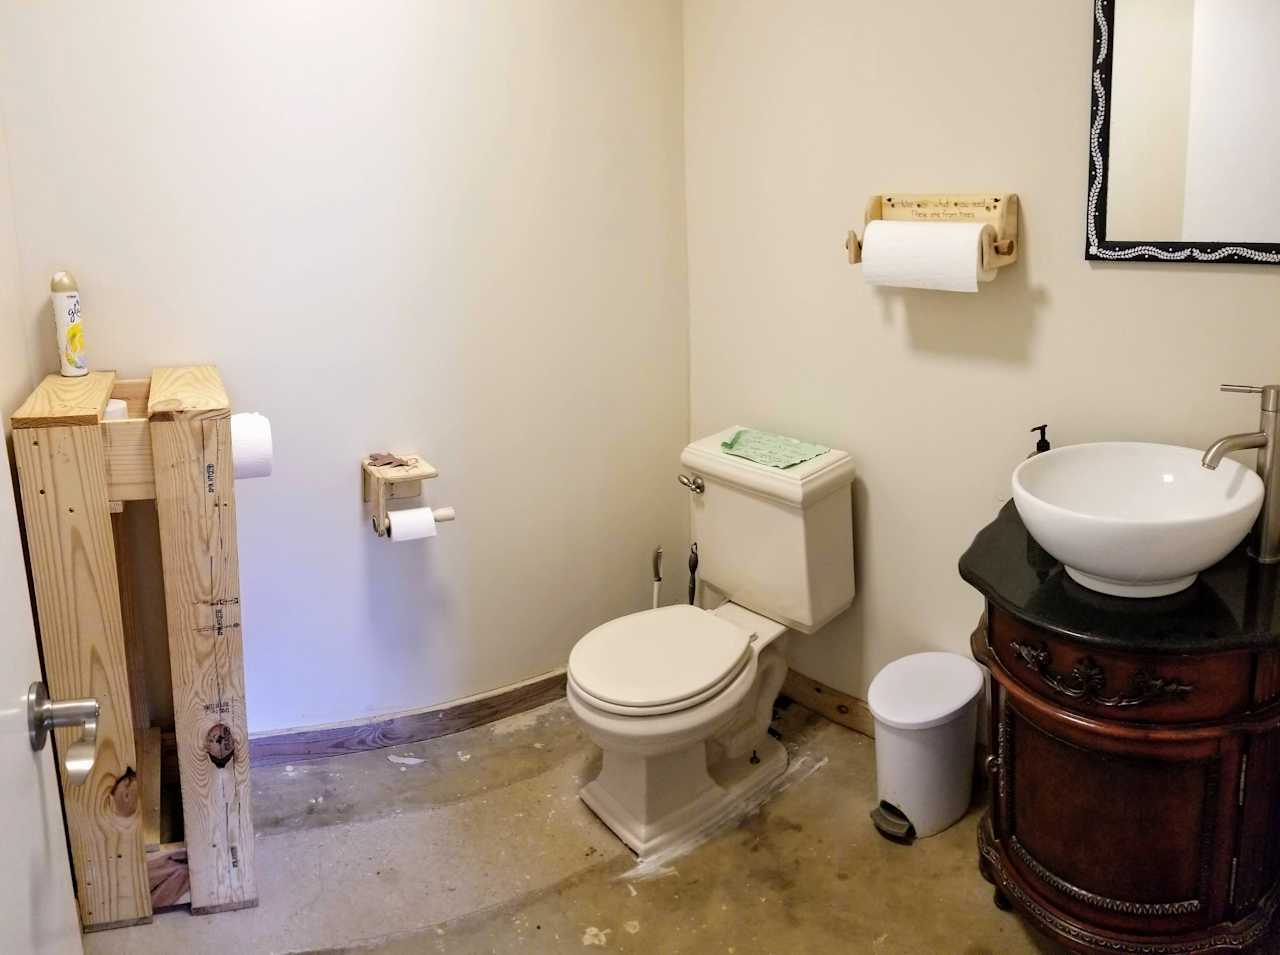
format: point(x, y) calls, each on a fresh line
point(133, 392)
point(149, 785)
point(168, 757)
point(169, 875)
point(59, 401)
point(195, 501)
point(291, 746)
point(63, 480)
point(170, 800)
point(135, 657)
point(190, 388)
point(826, 701)
point(131, 473)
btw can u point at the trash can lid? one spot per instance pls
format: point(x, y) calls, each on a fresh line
point(923, 689)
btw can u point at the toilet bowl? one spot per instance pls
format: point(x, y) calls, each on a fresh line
point(688, 742)
point(679, 699)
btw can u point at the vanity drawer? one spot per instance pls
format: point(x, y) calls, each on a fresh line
point(1119, 686)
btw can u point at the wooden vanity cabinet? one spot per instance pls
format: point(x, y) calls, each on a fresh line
point(1136, 797)
point(1134, 752)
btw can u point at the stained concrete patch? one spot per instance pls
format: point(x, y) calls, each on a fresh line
point(364, 786)
point(521, 722)
point(405, 760)
point(658, 865)
point(497, 854)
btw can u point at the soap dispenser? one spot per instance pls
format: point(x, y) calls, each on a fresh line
point(1039, 559)
point(1043, 444)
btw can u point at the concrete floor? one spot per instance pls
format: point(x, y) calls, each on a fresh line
point(477, 843)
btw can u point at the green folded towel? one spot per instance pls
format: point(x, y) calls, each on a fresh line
point(774, 450)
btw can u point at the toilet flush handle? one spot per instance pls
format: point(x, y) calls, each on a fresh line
point(694, 484)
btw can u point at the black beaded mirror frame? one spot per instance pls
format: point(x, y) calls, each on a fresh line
point(1097, 246)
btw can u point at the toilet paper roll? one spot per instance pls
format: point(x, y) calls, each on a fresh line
point(411, 524)
point(115, 410)
point(933, 255)
point(251, 445)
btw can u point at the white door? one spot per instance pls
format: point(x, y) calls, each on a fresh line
point(37, 908)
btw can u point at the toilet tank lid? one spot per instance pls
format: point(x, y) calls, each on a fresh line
point(798, 485)
point(924, 689)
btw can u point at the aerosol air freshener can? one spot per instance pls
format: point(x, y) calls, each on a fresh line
point(66, 317)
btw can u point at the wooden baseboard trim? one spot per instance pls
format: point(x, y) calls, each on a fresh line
point(826, 701)
point(398, 729)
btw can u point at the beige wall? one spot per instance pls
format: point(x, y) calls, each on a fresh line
point(795, 113)
point(453, 228)
point(460, 229)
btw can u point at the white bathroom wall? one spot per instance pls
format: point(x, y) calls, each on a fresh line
point(451, 228)
point(1233, 191)
point(795, 114)
point(16, 376)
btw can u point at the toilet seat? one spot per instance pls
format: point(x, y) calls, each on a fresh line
point(658, 661)
point(659, 709)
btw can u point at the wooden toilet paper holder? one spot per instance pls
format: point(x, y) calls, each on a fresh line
point(388, 477)
point(999, 210)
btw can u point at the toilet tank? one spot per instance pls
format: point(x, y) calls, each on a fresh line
point(777, 541)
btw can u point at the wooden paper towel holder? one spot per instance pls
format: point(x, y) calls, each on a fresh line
point(392, 480)
point(999, 210)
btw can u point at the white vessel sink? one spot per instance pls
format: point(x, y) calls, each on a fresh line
point(1135, 520)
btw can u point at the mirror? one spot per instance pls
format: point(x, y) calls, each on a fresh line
point(1184, 146)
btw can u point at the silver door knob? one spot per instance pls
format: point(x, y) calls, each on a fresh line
point(43, 714)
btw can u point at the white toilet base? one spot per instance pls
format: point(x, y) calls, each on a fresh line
point(726, 790)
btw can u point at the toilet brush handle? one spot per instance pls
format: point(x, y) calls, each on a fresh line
point(693, 573)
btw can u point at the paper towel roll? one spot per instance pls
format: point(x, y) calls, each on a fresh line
point(251, 445)
point(933, 255)
point(411, 524)
point(115, 410)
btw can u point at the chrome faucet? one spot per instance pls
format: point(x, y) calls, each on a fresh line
point(1264, 541)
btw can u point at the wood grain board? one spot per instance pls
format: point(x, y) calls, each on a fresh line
point(190, 388)
point(62, 475)
point(412, 727)
point(169, 874)
point(131, 473)
point(195, 502)
point(149, 771)
point(134, 650)
point(65, 401)
point(133, 392)
point(848, 711)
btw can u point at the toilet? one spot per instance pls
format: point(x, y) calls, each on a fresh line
point(679, 699)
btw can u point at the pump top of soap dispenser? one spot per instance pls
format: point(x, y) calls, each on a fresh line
point(1043, 443)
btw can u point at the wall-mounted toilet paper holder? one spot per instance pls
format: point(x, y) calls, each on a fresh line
point(1000, 211)
point(388, 477)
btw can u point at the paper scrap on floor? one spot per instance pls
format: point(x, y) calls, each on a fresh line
point(773, 450)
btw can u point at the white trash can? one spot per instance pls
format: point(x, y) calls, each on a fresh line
point(926, 711)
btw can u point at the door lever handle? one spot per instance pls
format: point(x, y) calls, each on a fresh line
point(43, 714)
point(694, 484)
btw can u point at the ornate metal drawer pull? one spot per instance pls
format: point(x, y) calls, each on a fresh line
point(1086, 681)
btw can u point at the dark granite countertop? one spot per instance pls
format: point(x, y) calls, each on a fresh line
point(1232, 605)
